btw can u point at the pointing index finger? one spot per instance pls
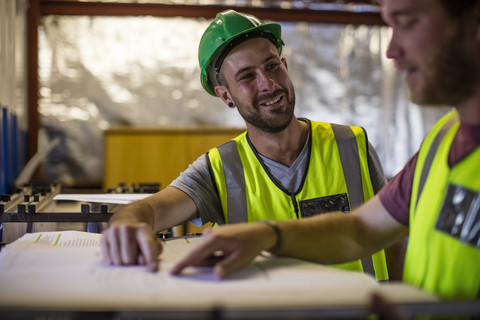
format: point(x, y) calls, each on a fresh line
point(201, 255)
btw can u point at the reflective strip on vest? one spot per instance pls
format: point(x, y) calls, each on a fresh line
point(349, 156)
point(235, 178)
point(348, 149)
point(431, 154)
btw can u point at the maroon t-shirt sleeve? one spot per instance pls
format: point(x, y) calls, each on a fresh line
point(396, 195)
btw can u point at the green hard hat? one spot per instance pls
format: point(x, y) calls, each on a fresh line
point(228, 29)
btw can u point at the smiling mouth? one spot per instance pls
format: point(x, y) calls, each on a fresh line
point(271, 102)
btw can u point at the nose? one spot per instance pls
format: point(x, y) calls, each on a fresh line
point(265, 82)
point(394, 50)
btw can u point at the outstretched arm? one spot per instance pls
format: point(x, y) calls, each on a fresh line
point(131, 239)
point(329, 239)
point(338, 238)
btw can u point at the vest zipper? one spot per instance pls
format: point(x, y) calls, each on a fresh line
point(295, 205)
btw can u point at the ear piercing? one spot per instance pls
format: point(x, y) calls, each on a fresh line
point(230, 104)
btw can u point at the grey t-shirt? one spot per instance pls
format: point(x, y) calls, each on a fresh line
point(197, 182)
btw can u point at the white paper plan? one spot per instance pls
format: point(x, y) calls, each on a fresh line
point(65, 269)
point(117, 198)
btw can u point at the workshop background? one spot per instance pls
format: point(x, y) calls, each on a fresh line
point(72, 70)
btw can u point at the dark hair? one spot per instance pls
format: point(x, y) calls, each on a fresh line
point(457, 8)
point(221, 79)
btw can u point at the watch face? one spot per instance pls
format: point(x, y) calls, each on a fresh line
point(337, 202)
point(460, 215)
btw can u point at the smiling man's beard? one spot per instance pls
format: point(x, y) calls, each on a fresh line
point(453, 75)
point(279, 120)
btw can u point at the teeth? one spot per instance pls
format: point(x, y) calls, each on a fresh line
point(271, 102)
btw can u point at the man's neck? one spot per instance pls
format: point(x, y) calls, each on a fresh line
point(284, 146)
point(469, 109)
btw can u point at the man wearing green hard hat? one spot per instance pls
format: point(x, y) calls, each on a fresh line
point(281, 168)
point(229, 29)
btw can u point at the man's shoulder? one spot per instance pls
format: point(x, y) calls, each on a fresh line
point(337, 131)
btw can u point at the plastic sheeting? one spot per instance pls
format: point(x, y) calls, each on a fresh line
point(13, 17)
point(13, 83)
point(97, 72)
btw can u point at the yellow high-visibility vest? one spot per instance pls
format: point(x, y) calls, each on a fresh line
point(337, 179)
point(443, 255)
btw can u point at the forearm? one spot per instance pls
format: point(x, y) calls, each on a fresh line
point(329, 239)
point(138, 211)
point(165, 209)
point(338, 238)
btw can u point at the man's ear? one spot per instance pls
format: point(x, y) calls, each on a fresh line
point(223, 93)
point(284, 61)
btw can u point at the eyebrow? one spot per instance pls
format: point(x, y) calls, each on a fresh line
point(403, 12)
point(271, 57)
point(396, 13)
